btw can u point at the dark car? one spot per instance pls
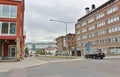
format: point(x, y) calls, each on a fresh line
point(95, 56)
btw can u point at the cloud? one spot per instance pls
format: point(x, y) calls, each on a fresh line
point(39, 12)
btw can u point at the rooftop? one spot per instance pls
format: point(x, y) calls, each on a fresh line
point(100, 7)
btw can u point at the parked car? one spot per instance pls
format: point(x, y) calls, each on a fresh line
point(95, 55)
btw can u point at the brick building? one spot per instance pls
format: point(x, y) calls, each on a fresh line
point(100, 28)
point(61, 43)
point(11, 29)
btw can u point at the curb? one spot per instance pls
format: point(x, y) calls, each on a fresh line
point(8, 66)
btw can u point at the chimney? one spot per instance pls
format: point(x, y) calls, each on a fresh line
point(87, 10)
point(93, 6)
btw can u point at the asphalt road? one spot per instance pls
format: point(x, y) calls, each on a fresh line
point(84, 68)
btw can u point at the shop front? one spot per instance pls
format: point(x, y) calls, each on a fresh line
point(8, 50)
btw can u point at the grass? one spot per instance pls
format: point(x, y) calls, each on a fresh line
point(63, 57)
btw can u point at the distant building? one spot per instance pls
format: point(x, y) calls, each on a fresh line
point(61, 43)
point(12, 29)
point(66, 45)
point(41, 45)
point(100, 28)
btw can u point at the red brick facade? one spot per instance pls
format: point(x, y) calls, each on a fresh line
point(15, 36)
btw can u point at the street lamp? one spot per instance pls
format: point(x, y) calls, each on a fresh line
point(65, 29)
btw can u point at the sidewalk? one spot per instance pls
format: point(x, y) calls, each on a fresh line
point(116, 56)
point(27, 62)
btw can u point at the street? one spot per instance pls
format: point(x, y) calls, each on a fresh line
point(57, 68)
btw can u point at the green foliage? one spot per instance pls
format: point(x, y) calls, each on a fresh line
point(49, 53)
point(26, 50)
point(40, 51)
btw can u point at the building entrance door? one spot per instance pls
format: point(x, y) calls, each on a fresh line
point(12, 51)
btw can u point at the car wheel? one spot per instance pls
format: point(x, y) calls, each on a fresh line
point(101, 57)
point(94, 57)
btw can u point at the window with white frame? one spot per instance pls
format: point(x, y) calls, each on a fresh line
point(84, 30)
point(100, 24)
point(93, 42)
point(113, 40)
point(91, 20)
point(91, 35)
point(113, 19)
point(77, 26)
point(78, 32)
point(8, 11)
point(102, 41)
point(91, 27)
point(78, 44)
point(118, 38)
point(7, 28)
point(84, 23)
point(100, 15)
point(83, 43)
point(84, 36)
point(102, 32)
point(5, 10)
point(78, 38)
point(113, 9)
point(114, 29)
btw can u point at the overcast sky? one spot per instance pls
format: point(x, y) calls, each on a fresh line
point(38, 13)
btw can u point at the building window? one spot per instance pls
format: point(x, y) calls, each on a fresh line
point(77, 32)
point(113, 9)
point(4, 28)
point(8, 28)
point(113, 19)
point(5, 11)
point(100, 15)
point(102, 32)
point(13, 11)
point(114, 50)
point(91, 20)
point(78, 38)
point(77, 26)
point(114, 29)
point(91, 35)
point(103, 41)
point(114, 40)
point(91, 27)
point(84, 37)
point(100, 24)
point(12, 28)
point(93, 42)
point(8, 11)
point(84, 23)
point(84, 30)
point(78, 44)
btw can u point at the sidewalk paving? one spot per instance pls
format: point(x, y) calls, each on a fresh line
point(27, 62)
point(117, 56)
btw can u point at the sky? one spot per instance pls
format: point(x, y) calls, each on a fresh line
point(38, 13)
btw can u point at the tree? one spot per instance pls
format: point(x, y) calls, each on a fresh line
point(26, 50)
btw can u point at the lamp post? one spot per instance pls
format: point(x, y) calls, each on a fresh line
point(65, 30)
